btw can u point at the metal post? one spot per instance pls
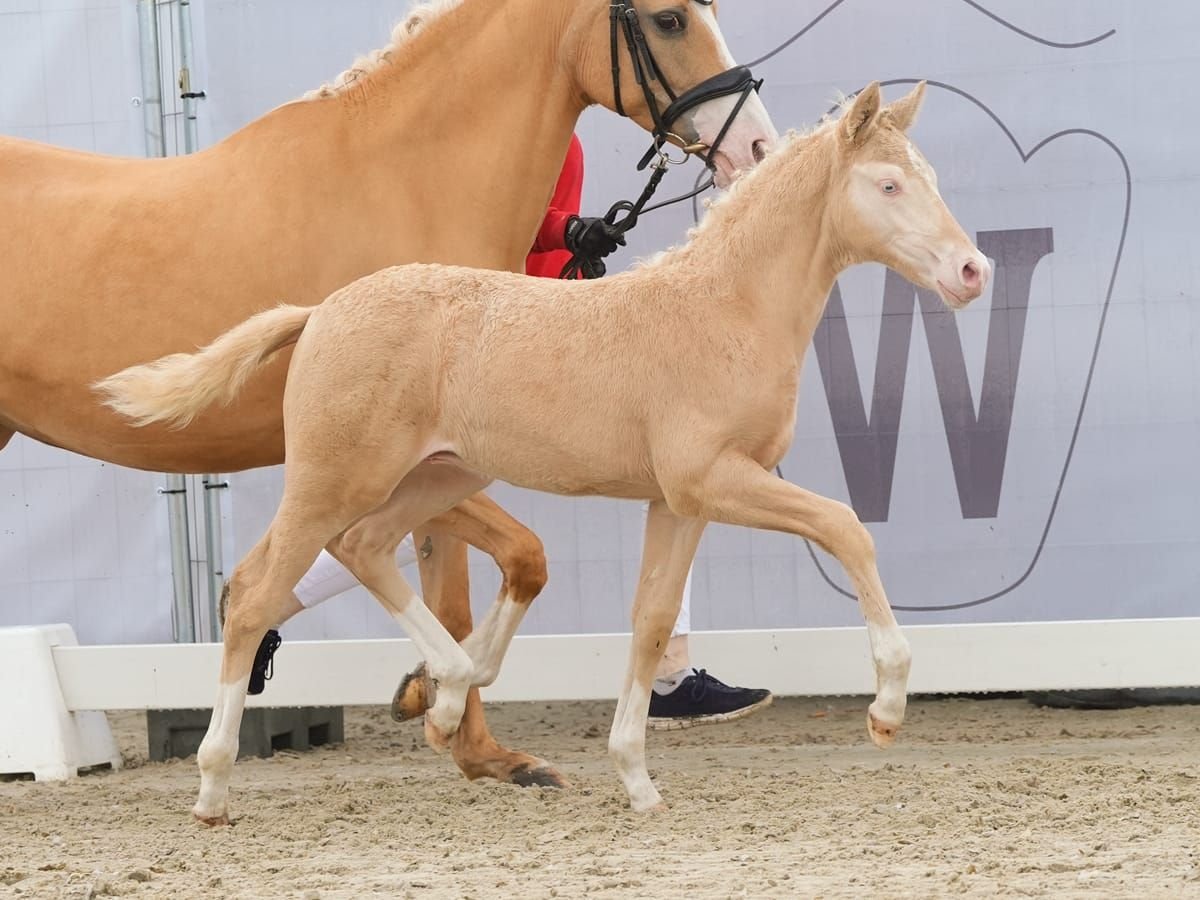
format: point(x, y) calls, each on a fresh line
point(151, 99)
point(187, 94)
point(183, 612)
point(184, 615)
point(214, 564)
point(213, 484)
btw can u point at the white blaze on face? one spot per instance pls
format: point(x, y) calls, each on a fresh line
point(706, 15)
point(751, 134)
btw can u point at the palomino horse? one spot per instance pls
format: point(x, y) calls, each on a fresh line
point(444, 147)
point(675, 383)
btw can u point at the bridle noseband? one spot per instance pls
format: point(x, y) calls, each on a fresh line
point(623, 19)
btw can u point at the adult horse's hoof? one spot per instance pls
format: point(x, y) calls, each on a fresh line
point(882, 734)
point(415, 695)
point(540, 775)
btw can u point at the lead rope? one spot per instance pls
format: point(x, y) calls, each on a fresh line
point(582, 263)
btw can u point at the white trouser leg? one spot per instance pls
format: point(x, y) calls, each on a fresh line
point(328, 577)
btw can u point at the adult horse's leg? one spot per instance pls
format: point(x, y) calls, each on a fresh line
point(737, 491)
point(443, 563)
point(670, 546)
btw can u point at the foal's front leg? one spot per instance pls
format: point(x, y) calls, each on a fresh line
point(738, 491)
point(669, 548)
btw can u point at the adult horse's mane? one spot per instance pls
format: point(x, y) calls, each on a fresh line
point(404, 32)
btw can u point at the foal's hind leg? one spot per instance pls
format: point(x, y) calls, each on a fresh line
point(367, 549)
point(479, 521)
point(259, 589)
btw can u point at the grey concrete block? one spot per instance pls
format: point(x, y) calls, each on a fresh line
point(176, 733)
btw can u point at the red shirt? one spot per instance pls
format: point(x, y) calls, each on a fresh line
point(549, 253)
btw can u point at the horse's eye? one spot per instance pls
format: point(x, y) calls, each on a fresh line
point(889, 187)
point(670, 22)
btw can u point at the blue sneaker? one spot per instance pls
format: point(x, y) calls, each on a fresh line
point(701, 699)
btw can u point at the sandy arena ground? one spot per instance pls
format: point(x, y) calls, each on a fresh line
point(978, 798)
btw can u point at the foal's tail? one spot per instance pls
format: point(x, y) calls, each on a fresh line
point(177, 388)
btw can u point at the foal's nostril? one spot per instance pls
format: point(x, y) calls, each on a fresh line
point(759, 149)
point(970, 274)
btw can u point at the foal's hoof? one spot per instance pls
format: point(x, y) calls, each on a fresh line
point(212, 821)
point(415, 695)
point(881, 732)
point(540, 775)
point(649, 807)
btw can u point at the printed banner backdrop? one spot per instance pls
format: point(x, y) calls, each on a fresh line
point(1032, 458)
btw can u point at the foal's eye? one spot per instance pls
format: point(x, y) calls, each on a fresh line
point(670, 22)
point(889, 187)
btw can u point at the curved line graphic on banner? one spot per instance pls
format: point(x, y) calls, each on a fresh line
point(1033, 37)
point(979, 7)
point(1087, 385)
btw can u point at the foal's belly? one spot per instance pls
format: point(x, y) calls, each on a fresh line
point(553, 471)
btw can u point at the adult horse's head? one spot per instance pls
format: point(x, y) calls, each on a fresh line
point(664, 64)
point(886, 207)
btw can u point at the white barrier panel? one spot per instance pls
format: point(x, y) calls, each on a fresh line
point(40, 734)
point(817, 661)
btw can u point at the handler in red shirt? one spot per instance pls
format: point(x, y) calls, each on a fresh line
point(564, 232)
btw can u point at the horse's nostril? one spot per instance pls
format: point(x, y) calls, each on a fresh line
point(970, 274)
point(759, 150)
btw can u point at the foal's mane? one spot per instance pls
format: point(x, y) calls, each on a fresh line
point(727, 204)
point(404, 33)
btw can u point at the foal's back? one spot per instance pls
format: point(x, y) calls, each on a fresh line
point(495, 367)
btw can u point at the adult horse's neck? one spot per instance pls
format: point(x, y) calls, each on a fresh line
point(464, 129)
point(767, 254)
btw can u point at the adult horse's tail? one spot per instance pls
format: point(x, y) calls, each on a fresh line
point(177, 388)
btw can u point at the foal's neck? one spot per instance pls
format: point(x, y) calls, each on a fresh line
point(769, 249)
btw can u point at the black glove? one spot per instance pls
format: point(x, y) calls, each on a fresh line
point(592, 238)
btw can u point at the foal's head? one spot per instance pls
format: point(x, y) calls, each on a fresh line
point(886, 206)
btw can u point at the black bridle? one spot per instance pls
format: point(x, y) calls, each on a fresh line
point(623, 19)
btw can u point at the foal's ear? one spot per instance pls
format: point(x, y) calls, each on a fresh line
point(904, 111)
point(860, 119)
